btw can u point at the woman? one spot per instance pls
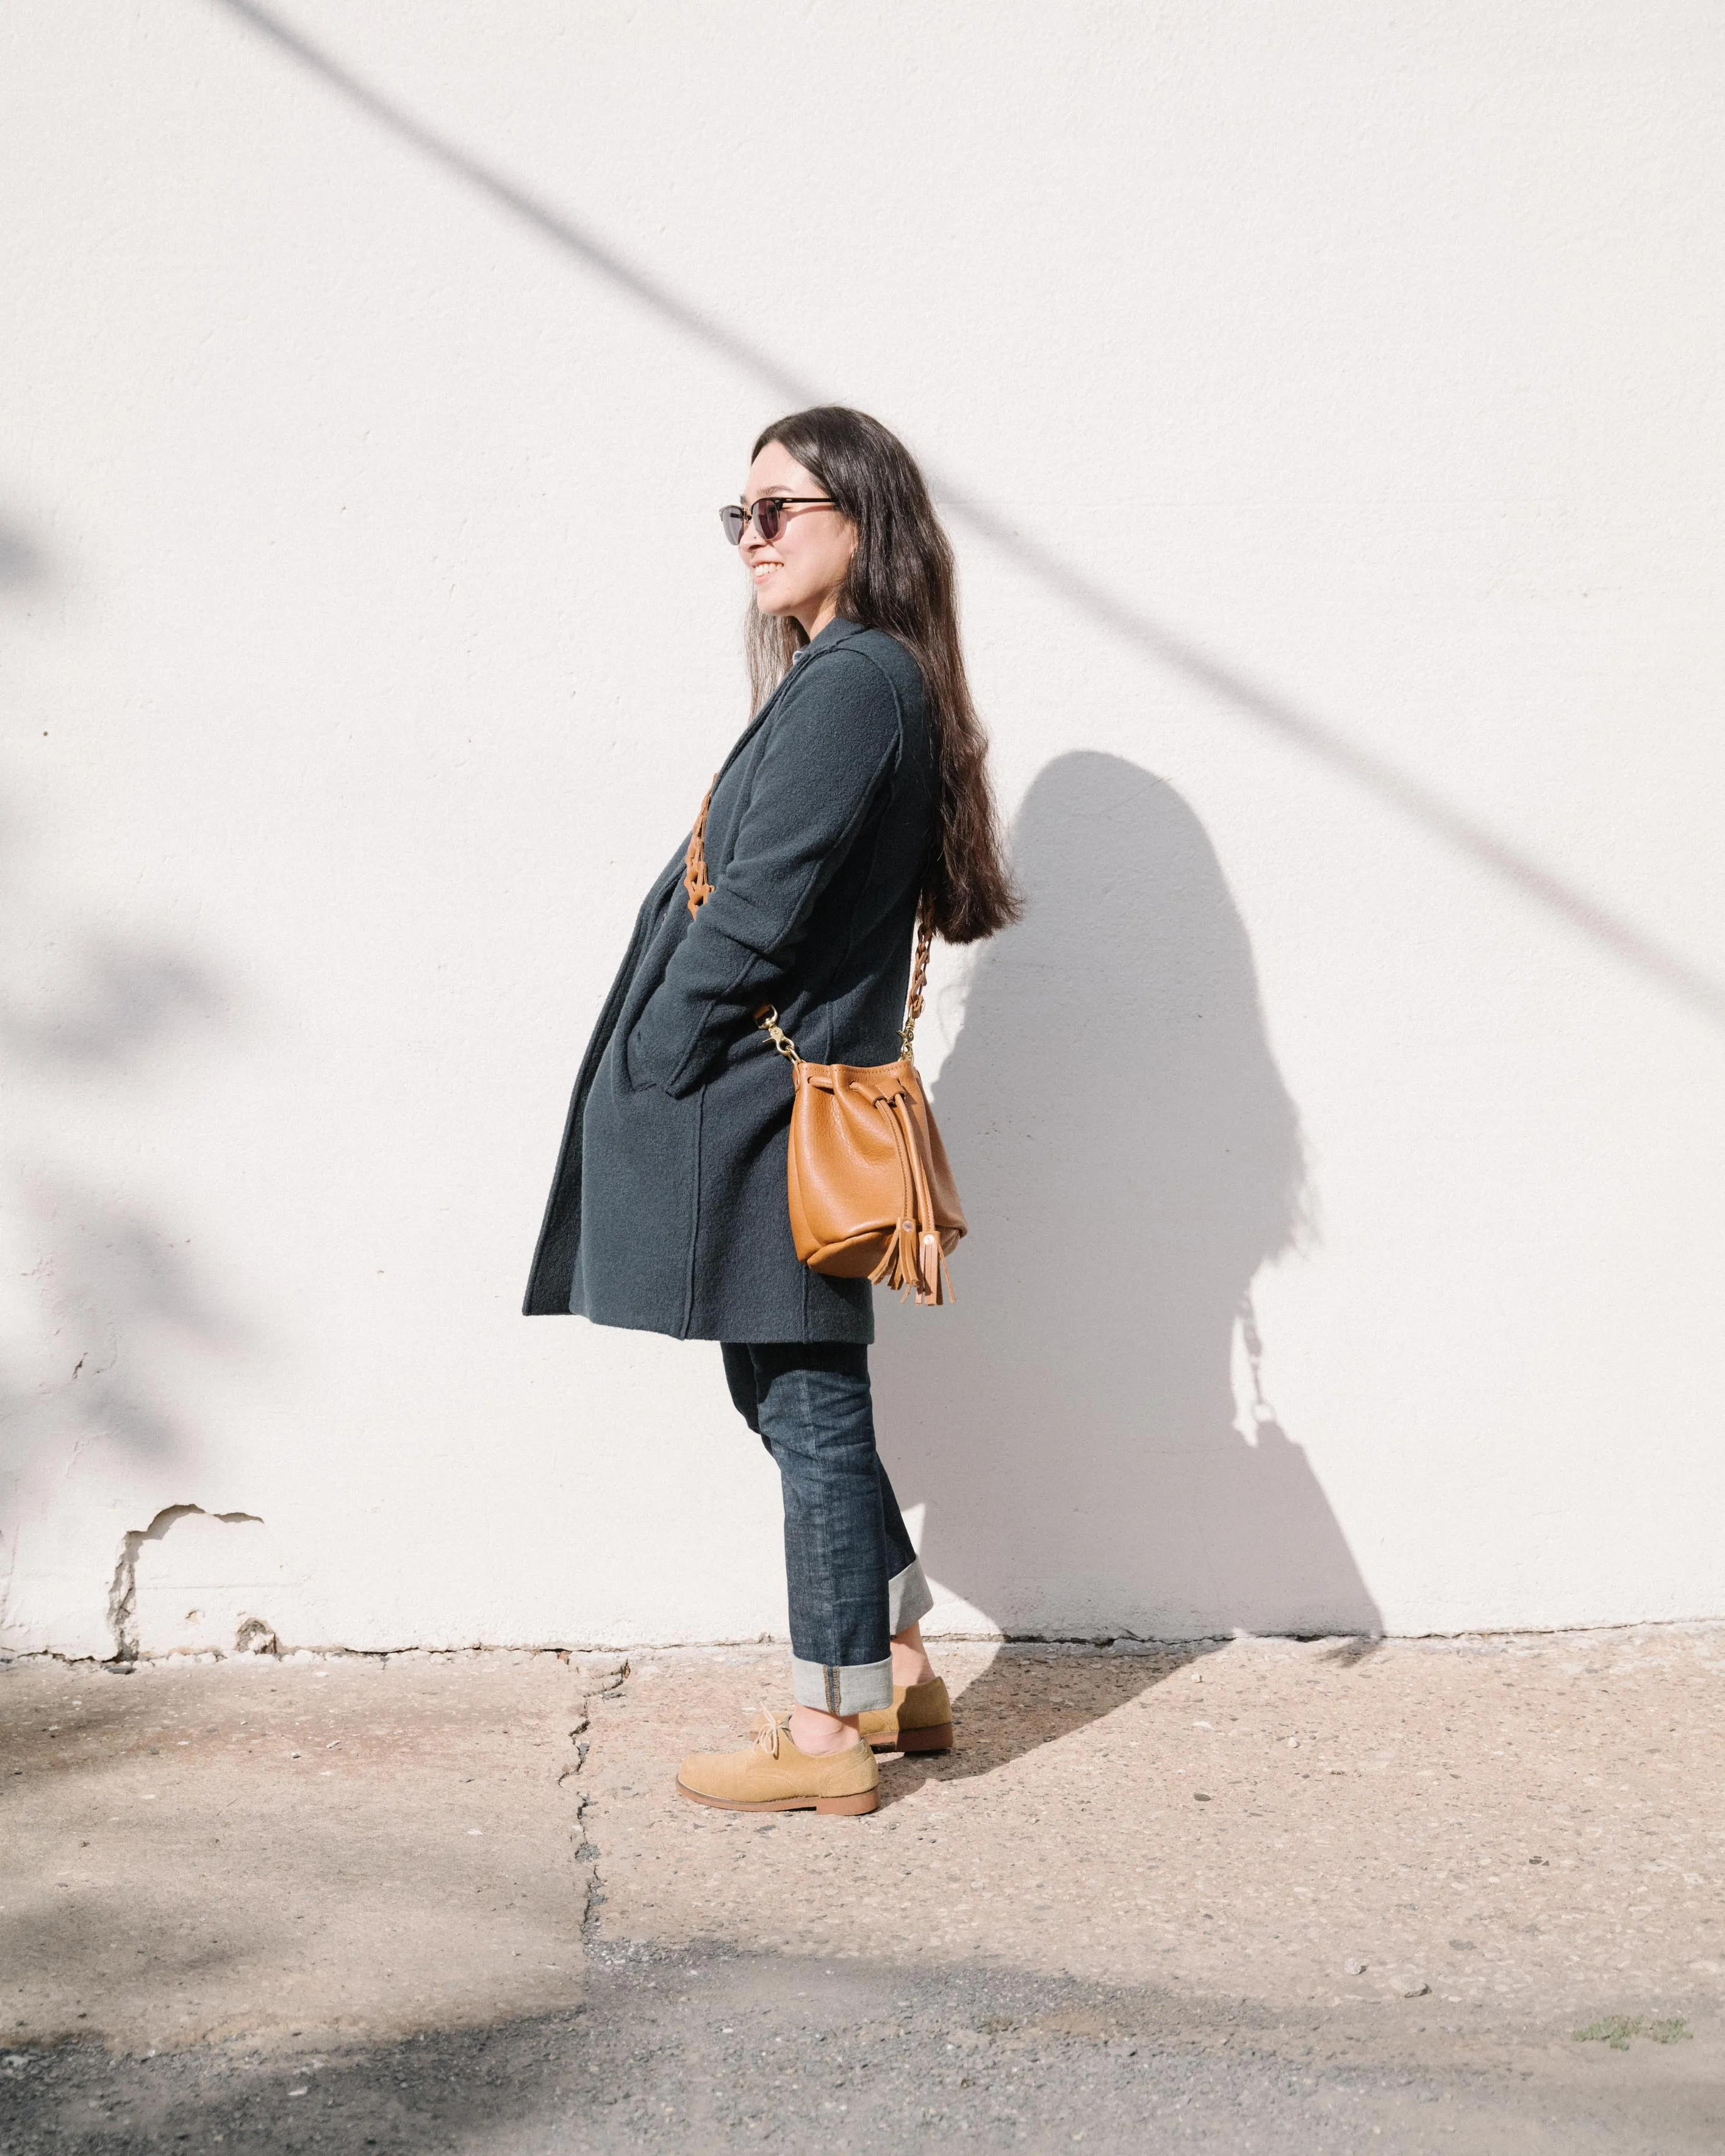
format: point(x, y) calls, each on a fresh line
point(859, 789)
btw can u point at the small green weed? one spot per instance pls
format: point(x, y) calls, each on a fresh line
point(1616, 2030)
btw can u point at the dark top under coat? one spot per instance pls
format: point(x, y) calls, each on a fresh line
point(667, 1212)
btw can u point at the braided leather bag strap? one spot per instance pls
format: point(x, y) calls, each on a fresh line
point(695, 881)
point(919, 982)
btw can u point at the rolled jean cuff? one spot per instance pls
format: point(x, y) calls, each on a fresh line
point(840, 1691)
point(908, 1598)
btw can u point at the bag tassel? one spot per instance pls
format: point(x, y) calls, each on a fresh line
point(915, 1262)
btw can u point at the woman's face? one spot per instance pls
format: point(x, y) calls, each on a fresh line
point(799, 572)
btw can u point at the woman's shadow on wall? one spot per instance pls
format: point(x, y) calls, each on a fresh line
point(1128, 1157)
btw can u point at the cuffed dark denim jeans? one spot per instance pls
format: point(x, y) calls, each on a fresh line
point(852, 1574)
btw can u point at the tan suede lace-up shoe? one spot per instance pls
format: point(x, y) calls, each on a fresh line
point(919, 1719)
point(775, 1777)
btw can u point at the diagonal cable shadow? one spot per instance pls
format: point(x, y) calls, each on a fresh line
point(1398, 790)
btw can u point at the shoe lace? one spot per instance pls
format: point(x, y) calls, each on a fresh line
point(772, 1724)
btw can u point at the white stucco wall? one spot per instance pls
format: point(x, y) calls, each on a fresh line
point(1325, 400)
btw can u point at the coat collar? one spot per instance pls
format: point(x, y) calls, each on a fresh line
point(836, 632)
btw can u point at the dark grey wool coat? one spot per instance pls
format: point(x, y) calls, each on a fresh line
point(668, 1212)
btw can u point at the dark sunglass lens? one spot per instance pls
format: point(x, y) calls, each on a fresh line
point(769, 515)
point(735, 523)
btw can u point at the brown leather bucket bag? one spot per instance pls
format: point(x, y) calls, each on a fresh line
point(871, 1194)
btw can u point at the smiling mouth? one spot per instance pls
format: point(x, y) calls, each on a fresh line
point(764, 569)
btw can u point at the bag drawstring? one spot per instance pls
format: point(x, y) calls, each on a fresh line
point(913, 1259)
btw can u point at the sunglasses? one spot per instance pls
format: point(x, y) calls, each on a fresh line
point(768, 515)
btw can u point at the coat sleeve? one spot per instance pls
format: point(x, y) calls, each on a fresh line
point(835, 741)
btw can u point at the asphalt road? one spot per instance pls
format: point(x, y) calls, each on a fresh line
point(699, 2052)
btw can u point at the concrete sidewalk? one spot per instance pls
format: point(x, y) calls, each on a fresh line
point(1266, 1895)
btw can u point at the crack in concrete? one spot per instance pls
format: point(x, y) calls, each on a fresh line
point(586, 1850)
point(123, 1588)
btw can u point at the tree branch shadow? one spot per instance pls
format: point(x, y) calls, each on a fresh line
point(104, 1294)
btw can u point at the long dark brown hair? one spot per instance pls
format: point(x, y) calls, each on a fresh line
point(901, 579)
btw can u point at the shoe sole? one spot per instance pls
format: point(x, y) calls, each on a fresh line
point(865, 1801)
point(937, 1738)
